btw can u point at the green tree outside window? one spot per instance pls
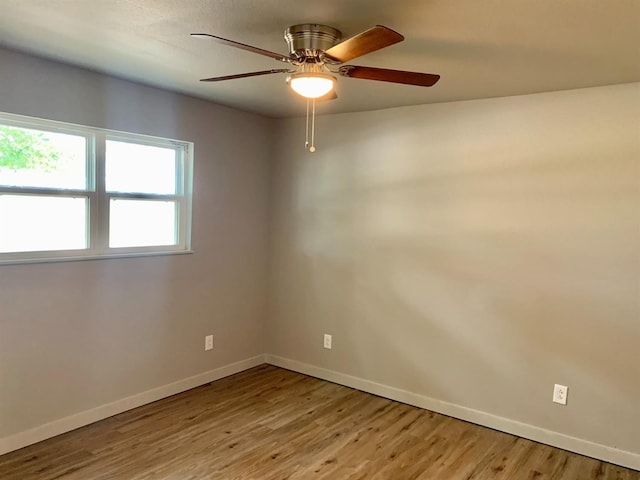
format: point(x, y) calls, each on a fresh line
point(26, 149)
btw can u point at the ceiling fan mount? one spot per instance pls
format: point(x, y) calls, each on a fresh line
point(309, 41)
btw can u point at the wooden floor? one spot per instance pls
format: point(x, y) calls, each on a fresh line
point(269, 423)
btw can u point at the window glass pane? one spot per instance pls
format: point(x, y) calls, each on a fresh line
point(31, 223)
point(38, 158)
point(139, 168)
point(138, 223)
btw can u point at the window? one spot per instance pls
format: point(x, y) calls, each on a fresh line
point(68, 191)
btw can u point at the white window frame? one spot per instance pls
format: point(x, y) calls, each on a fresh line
point(99, 199)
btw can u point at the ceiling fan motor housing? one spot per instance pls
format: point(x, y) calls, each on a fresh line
point(306, 41)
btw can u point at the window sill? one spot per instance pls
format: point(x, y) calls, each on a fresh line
point(111, 256)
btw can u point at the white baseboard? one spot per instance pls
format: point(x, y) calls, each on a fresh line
point(573, 444)
point(51, 429)
point(548, 437)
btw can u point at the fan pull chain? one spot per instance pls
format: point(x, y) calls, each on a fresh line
point(311, 147)
point(306, 133)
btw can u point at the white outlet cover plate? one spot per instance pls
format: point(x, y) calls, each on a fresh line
point(560, 394)
point(208, 342)
point(327, 341)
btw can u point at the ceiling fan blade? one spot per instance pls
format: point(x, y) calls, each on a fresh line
point(386, 75)
point(243, 46)
point(366, 42)
point(245, 75)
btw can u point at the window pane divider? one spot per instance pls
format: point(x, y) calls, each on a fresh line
point(142, 196)
point(45, 192)
point(100, 205)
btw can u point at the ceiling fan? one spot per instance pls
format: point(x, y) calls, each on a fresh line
point(317, 53)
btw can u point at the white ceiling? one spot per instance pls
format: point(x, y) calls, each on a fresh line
point(481, 48)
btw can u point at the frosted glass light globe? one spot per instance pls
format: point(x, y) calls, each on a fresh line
point(312, 85)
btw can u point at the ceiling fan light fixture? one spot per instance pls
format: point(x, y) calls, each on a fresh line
point(312, 85)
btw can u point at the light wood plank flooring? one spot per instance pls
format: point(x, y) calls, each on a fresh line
point(269, 423)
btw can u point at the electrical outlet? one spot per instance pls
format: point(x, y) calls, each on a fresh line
point(208, 342)
point(560, 394)
point(327, 341)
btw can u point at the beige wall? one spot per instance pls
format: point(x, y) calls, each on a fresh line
point(474, 253)
point(77, 335)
